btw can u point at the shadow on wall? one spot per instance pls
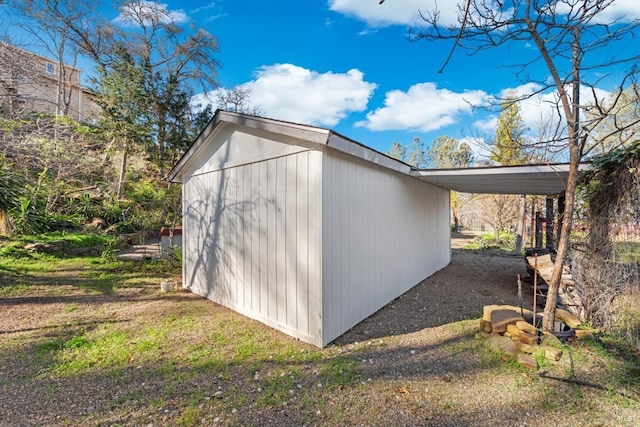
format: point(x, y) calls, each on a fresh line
point(247, 237)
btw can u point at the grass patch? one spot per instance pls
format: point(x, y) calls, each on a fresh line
point(189, 416)
point(504, 242)
point(339, 372)
point(106, 349)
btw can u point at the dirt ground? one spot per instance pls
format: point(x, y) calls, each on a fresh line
point(412, 363)
point(472, 280)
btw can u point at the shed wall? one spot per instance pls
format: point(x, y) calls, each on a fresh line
point(383, 233)
point(253, 237)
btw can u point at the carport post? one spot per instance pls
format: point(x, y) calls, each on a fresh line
point(550, 223)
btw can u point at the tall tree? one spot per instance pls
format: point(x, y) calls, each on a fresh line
point(571, 39)
point(397, 151)
point(509, 144)
point(124, 107)
point(606, 136)
point(177, 59)
point(509, 148)
point(447, 152)
point(413, 154)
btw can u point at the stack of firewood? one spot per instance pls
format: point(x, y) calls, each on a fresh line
point(509, 332)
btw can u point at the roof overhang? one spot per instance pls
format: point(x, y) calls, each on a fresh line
point(313, 135)
point(550, 179)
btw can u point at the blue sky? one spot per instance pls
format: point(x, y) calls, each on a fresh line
point(347, 65)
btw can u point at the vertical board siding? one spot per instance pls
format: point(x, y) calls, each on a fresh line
point(383, 233)
point(251, 242)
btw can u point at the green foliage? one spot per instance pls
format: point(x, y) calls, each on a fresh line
point(505, 241)
point(10, 185)
point(447, 152)
point(509, 144)
point(29, 217)
point(413, 155)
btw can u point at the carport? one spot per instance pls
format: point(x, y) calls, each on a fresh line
point(533, 180)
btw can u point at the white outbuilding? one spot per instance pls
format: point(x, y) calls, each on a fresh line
point(301, 228)
point(308, 231)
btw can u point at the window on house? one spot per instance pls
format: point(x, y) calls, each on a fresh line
point(51, 68)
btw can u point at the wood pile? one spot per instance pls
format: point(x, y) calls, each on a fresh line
point(509, 332)
point(568, 294)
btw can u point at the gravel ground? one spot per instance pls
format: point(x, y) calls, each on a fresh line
point(415, 363)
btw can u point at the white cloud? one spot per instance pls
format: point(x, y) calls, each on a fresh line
point(422, 108)
point(148, 12)
point(617, 11)
point(289, 92)
point(406, 12)
point(487, 124)
point(479, 146)
point(542, 110)
point(391, 12)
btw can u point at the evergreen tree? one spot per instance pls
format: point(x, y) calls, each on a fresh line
point(447, 152)
point(509, 144)
point(125, 107)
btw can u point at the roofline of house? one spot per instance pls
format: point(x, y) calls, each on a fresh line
point(313, 134)
point(37, 55)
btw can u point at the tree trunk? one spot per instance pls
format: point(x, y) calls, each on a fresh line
point(5, 224)
point(456, 221)
point(521, 220)
point(123, 169)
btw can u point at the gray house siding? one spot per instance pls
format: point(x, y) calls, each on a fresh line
point(383, 233)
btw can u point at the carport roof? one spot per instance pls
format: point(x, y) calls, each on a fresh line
point(549, 179)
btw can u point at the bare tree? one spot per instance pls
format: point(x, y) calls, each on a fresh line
point(177, 58)
point(40, 19)
point(238, 100)
point(571, 38)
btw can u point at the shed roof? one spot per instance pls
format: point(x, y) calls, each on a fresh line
point(547, 179)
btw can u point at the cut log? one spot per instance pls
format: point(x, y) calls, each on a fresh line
point(500, 318)
point(486, 311)
point(550, 353)
point(527, 361)
point(527, 327)
point(502, 344)
point(528, 338)
point(513, 330)
point(569, 318)
point(526, 348)
point(485, 326)
point(548, 338)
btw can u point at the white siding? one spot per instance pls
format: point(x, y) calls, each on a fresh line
point(237, 146)
point(252, 236)
point(383, 232)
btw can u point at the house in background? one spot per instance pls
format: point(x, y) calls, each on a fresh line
point(34, 83)
point(310, 232)
point(301, 228)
